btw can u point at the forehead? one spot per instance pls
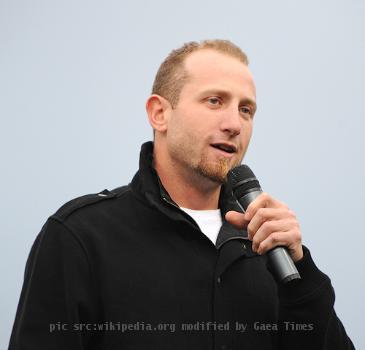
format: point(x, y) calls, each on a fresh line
point(208, 67)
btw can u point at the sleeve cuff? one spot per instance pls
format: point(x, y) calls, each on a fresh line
point(312, 281)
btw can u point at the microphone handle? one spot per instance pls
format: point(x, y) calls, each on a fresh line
point(279, 259)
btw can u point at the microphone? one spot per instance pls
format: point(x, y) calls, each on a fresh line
point(245, 189)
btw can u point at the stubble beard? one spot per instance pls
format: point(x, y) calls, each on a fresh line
point(215, 171)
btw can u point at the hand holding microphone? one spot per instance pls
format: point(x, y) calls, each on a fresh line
point(271, 225)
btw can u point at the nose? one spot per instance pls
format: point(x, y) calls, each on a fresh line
point(231, 122)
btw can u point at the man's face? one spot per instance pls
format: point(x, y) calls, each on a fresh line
point(209, 130)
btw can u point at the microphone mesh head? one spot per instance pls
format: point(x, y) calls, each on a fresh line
point(242, 180)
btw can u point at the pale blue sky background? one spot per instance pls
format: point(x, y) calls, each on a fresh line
point(74, 78)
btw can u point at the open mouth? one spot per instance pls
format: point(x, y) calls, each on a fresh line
point(225, 147)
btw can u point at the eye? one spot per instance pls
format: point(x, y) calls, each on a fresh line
point(214, 101)
point(246, 110)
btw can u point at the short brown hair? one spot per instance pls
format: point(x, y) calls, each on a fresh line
point(172, 75)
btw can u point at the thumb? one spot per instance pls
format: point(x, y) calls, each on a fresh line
point(236, 219)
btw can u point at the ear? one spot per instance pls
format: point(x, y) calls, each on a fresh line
point(158, 111)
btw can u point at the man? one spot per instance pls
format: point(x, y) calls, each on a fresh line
point(166, 262)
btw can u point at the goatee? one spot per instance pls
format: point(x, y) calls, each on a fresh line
point(215, 171)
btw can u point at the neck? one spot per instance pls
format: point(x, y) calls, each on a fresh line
point(193, 191)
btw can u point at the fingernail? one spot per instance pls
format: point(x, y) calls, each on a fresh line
point(247, 215)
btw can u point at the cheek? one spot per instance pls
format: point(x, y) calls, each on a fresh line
point(247, 128)
point(181, 131)
point(192, 124)
point(246, 134)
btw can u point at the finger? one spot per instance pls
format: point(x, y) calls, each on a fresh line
point(276, 239)
point(266, 214)
point(270, 227)
point(264, 200)
point(236, 219)
point(290, 239)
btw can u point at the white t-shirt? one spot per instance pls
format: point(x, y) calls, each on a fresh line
point(209, 221)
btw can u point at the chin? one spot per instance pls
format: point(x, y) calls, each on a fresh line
point(216, 172)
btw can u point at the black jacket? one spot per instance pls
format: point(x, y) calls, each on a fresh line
point(127, 269)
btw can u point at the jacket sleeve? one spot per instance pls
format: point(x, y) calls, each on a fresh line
point(57, 294)
point(307, 317)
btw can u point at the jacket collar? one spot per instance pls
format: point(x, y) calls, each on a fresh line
point(147, 185)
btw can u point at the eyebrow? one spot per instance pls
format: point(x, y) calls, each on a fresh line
point(227, 94)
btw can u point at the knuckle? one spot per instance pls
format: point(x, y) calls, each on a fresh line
point(296, 226)
point(297, 235)
point(261, 213)
point(267, 225)
point(265, 196)
point(292, 214)
point(293, 222)
point(285, 206)
point(275, 237)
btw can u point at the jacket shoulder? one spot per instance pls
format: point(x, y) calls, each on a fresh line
point(87, 200)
